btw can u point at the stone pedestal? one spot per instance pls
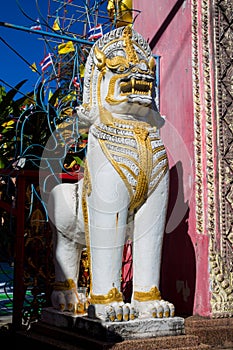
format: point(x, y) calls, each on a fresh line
point(42, 335)
point(64, 331)
point(114, 331)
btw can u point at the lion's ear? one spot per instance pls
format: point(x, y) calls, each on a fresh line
point(99, 58)
point(152, 64)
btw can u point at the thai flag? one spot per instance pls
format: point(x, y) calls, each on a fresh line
point(46, 62)
point(37, 26)
point(95, 32)
point(76, 83)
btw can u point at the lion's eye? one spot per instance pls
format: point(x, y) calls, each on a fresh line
point(121, 69)
point(143, 66)
point(118, 64)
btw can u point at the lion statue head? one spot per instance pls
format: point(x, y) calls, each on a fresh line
point(119, 80)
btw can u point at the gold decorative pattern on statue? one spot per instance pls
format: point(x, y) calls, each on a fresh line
point(134, 123)
point(131, 53)
point(161, 171)
point(105, 116)
point(117, 62)
point(90, 100)
point(87, 180)
point(86, 192)
point(145, 167)
point(113, 296)
point(152, 64)
point(111, 88)
point(143, 148)
point(101, 59)
point(107, 45)
point(65, 285)
point(153, 294)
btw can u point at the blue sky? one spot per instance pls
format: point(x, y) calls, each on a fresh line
point(13, 69)
point(30, 48)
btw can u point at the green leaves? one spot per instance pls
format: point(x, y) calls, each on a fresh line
point(27, 123)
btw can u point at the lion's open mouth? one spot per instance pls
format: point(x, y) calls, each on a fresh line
point(137, 87)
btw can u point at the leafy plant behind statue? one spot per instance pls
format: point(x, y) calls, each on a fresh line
point(26, 124)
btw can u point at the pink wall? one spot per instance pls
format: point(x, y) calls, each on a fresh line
point(166, 24)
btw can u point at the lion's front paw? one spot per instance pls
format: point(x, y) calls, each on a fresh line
point(162, 309)
point(116, 312)
point(58, 300)
point(155, 309)
point(66, 300)
point(125, 312)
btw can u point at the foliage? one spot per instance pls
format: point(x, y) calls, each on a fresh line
point(26, 125)
point(9, 109)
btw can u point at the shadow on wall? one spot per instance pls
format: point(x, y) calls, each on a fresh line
point(178, 268)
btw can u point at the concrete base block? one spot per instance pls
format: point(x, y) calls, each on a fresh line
point(110, 331)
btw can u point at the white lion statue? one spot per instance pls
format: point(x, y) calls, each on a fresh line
point(124, 192)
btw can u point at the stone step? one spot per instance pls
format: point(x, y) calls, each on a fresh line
point(42, 336)
point(214, 332)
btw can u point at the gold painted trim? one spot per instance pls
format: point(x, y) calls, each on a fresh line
point(158, 149)
point(128, 43)
point(111, 90)
point(140, 132)
point(113, 296)
point(153, 294)
point(133, 123)
point(86, 192)
point(145, 167)
point(163, 173)
point(164, 169)
point(65, 285)
point(110, 43)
